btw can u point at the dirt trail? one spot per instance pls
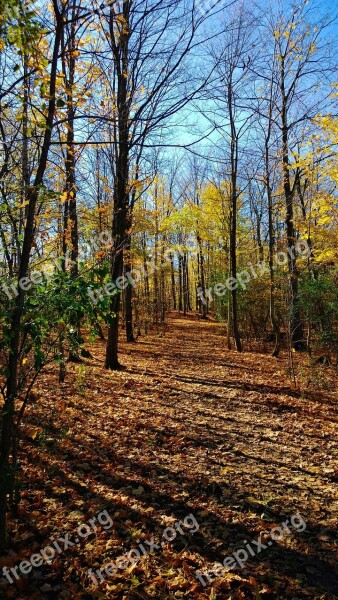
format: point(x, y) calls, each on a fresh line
point(188, 427)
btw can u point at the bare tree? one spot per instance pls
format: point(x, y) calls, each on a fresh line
point(232, 116)
point(150, 44)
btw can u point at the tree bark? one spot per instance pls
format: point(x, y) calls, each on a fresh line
point(204, 306)
point(120, 50)
point(296, 325)
point(273, 319)
point(233, 220)
point(173, 284)
point(129, 291)
point(180, 283)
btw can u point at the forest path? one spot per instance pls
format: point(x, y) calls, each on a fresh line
point(188, 427)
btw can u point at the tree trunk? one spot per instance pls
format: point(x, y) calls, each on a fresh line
point(204, 306)
point(156, 281)
point(189, 307)
point(180, 283)
point(70, 208)
point(162, 282)
point(173, 286)
point(233, 220)
point(296, 325)
point(129, 293)
point(273, 320)
point(145, 270)
point(121, 192)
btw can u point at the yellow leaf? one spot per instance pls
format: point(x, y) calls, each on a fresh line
point(24, 204)
point(33, 432)
point(116, 588)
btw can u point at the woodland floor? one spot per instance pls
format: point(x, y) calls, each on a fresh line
point(188, 427)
